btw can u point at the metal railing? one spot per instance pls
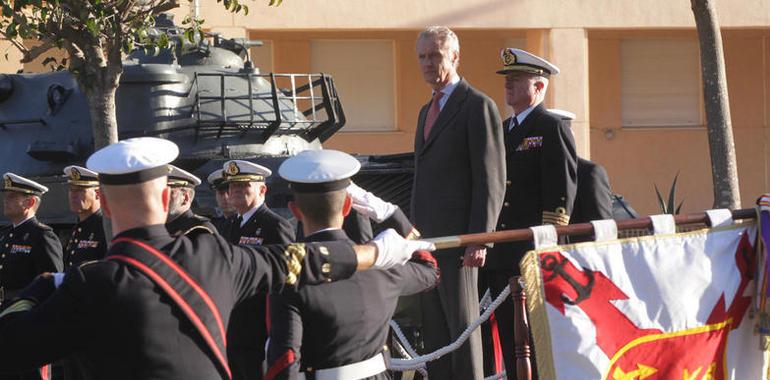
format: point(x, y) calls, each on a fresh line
point(308, 107)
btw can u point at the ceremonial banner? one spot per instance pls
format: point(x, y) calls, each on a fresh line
point(669, 306)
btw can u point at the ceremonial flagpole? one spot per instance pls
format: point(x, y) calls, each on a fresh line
point(573, 229)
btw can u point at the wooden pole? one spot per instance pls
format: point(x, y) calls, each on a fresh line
point(520, 331)
point(572, 229)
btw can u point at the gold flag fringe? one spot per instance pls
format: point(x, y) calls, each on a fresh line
point(538, 320)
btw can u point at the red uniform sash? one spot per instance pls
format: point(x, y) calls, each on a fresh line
point(186, 293)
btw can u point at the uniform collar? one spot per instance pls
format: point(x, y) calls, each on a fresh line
point(181, 216)
point(327, 234)
point(523, 115)
point(248, 214)
point(96, 215)
point(15, 226)
point(146, 233)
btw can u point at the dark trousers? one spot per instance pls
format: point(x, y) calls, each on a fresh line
point(246, 336)
point(446, 312)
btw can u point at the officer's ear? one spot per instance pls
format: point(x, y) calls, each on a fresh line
point(347, 205)
point(32, 202)
point(188, 197)
point(295, 211)
point(165, 197)
point(105, 205)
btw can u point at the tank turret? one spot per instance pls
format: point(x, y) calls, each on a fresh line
point(206, 97)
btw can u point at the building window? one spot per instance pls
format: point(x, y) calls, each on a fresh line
point(660, 83)
point(364, 74)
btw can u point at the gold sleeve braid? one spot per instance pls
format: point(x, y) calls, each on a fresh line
point(294, 255)
point(413, 234)
point(18, 306)
point(558, 217)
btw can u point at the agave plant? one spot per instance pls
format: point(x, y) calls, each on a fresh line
point(669, 207)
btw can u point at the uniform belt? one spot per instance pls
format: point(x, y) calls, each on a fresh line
point(359, 370)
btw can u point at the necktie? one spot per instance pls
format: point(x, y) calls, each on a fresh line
point(433, 111)
point(235, 230)
point(513, 124)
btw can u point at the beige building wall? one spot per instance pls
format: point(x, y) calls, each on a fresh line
point(638, 158)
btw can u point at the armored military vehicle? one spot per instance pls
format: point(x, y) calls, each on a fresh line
point(206, 97)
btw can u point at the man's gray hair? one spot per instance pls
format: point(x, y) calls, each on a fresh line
point(447, 37)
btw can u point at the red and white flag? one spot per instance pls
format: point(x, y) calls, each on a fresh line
point(668, 306)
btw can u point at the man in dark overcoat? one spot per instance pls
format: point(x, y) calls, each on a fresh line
point(458, 188)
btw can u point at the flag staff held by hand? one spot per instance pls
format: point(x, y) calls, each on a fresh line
point(573, 229)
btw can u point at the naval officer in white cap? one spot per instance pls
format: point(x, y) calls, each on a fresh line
point(339, 328)
point(225, 211)
point(256, 224)
point(27, 247)
point(87, 242)
point(181, 219)
point(541, 174)
point(156, 307)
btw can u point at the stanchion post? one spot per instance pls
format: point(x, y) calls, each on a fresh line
point(520, 330)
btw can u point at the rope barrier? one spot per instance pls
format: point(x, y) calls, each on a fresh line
point(418, 362)
point(501, 375)
point(402, 339)
point(486, 299)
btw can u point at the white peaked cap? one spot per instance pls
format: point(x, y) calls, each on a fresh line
point(524, 61)
point(133, 161)
point(19, 184)
point(319, 170)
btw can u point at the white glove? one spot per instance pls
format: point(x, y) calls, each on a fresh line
point(393, 249)
point(369, 204)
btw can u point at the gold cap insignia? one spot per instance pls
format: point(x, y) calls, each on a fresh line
point(74, 174)
point(7, 182)
point(508, 57)
point(233, 169)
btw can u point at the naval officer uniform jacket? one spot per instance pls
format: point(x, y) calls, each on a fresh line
point(541, 182)
point(187, 222)
point(87, 242)
point(223, 225)
point(27, 250)
point(337, 324)
point(247, 332)
point(123, 326)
